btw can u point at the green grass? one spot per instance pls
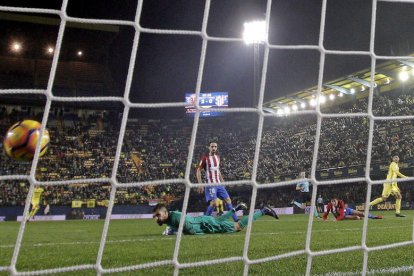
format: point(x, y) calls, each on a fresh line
point(48, 245)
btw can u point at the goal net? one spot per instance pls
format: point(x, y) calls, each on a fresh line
point(336, 167)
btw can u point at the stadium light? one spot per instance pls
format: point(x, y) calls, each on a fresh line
point(303, 105)
point(294, 107)
point(279, 112)
point(50, 50)
point(255, 32)
point(403, 76)
point(332, 97)
point(312, 102)
point(16, 47)
point(362, 89)
point(340, 95)
point(322, 99)
point(287, 110)
point(353, 90)
point(80, 53)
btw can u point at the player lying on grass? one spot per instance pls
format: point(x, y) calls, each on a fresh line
point(340, 210)
point(207, 224)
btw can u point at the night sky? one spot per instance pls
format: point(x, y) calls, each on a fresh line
point(167, 65)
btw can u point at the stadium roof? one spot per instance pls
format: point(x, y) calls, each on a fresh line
point(357, 84)
point(44, 19)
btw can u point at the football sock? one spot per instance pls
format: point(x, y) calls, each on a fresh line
point(33, 212)
point(397, 206)
point(229, 207)
point(298, 204)
point(376, 201)
point(210, 210)
point(315, 212)
point(243, 222)
point(371, 216)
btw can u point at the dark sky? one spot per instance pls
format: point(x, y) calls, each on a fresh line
point(167, 65)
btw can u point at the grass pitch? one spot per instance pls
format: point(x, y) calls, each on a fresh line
point(49, 245)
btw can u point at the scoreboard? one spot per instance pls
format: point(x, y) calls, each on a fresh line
point(206, 101)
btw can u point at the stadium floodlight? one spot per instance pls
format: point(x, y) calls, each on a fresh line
point(16, 47)
point(322, 99)
point(279, 112)
point(80, 53)
point(353, 90)
point(255, 32)
point(340, 95)
point(312, 102)
point(303, 105)
point(294, 107)
point(287, 109)
point(50, 50)
point(403, 76)
point(332, 97)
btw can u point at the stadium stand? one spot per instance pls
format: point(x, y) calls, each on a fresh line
point(155, 149)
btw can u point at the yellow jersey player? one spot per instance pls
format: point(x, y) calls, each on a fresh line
point(37, 193)
point(391, 188)
point(219, 207)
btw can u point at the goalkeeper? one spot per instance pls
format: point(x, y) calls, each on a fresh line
point(207, 224)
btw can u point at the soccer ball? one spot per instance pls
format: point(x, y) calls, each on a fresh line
point(21, 140)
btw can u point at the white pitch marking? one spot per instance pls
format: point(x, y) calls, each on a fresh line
point(380, 271)
point(173, 237)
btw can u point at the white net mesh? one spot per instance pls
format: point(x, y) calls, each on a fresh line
point(125, 100)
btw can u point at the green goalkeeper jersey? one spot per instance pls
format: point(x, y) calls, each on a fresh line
point(202, 224)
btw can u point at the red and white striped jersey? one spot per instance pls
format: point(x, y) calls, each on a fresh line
point(211, 165)
point(338, 211)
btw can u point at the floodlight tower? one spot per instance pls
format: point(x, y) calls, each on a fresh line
point(255, 33)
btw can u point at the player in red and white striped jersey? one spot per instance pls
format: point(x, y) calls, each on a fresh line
point(341, 211)
point(210, 163)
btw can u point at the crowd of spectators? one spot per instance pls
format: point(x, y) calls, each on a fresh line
point(157, 149)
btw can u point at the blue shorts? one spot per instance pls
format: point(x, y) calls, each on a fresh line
point(349, 211)
point(214, 192)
